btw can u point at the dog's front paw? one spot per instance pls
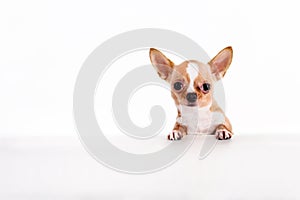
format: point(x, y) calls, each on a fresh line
point(175, 135)
point(223, 134)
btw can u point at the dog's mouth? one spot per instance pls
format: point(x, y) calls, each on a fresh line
point(192, 104)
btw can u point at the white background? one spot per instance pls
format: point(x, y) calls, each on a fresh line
point(44, 43)
point(42, 47)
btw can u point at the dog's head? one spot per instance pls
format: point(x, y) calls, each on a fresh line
point(192, 82)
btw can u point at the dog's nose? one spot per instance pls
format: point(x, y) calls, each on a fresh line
point(191, 97)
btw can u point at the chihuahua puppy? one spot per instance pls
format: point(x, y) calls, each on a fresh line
point(192, 86)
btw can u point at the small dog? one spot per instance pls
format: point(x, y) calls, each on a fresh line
point(192, 86)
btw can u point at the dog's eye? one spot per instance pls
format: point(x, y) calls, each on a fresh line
point(205, 87)
point(178, 86)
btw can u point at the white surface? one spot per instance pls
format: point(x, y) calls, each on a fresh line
point(247, 167)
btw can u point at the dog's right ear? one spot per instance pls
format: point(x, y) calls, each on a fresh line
point(161, 63)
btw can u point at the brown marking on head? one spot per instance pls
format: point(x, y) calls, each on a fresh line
point(204, 77)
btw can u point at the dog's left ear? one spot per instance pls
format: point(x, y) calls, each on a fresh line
point(221, 62)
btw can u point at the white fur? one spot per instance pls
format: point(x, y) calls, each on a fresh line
point(199, 120)
point(193, 72)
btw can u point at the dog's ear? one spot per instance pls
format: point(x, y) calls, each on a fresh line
point(161, 63)
point(221, 62)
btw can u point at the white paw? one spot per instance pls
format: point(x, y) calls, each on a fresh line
point(223, 134)
point(175, 135)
